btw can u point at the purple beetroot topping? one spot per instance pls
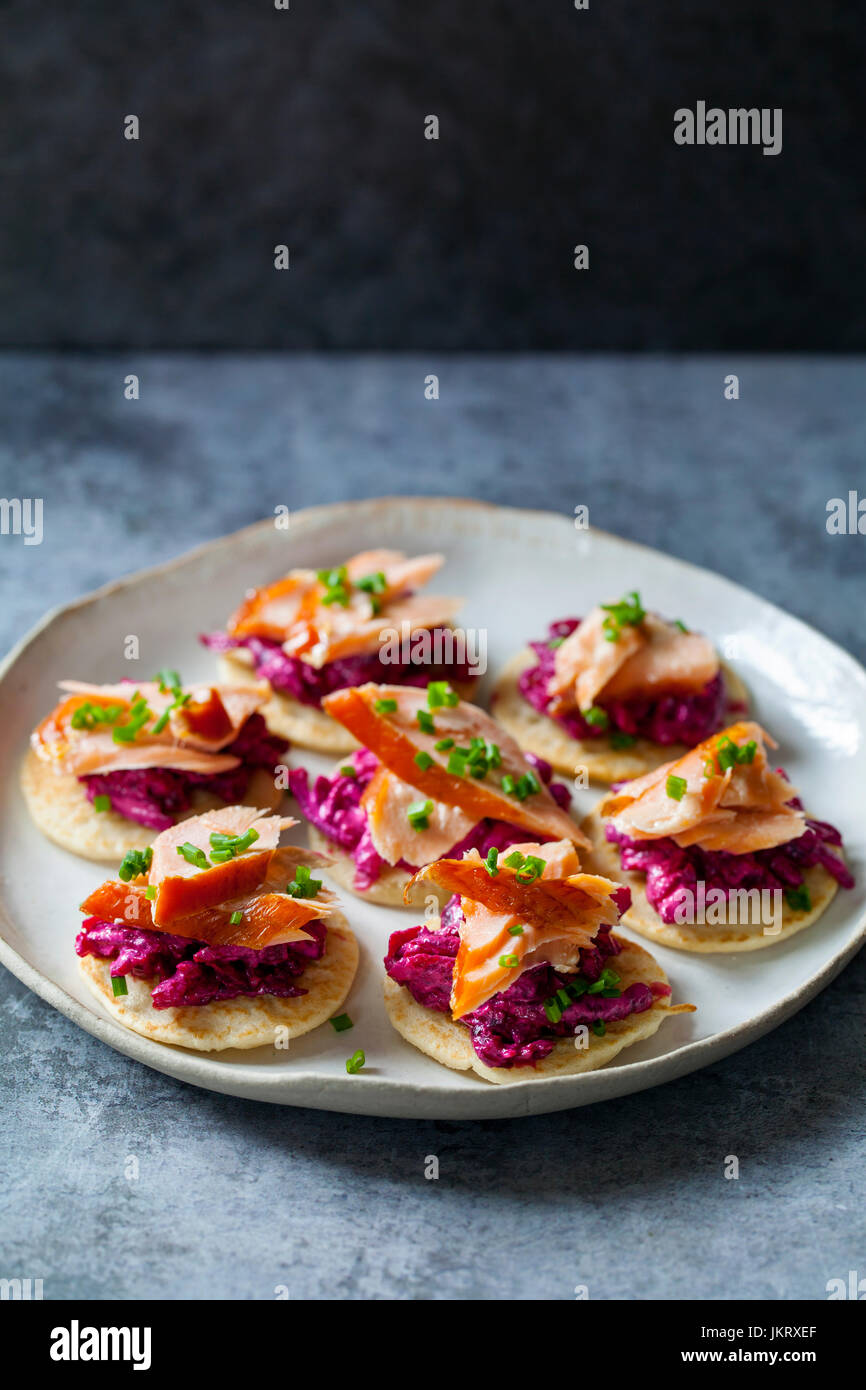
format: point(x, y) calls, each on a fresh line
point(310, 684)
point(156, 796)
point(333, 806)
point(191, 972)
point(511, 1029)
point(668, 719)
point(671, 871)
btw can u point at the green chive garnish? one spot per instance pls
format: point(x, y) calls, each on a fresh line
point(150, 892)
point(348, 770)
point(620, 740)
point(342, 1023)
point(440, 693)
point(303, 884)
point(423, 760)
point(515, 931)
point(443, 744)
point(118, 986)
point(508, 962)
point(676, 787)
point(553, 1010)
point(490, 862)
point(134, 863)
point(627, 612)
point(531, 869)
point(193, 855)
point(236, 919)
point(372, 583)
point(680, 624)
point(596, 716)
point(799, 899)
point(425, 721)
point(598, 1027)
point(102, 803)
point(387, 706)
point(356, 1062)
point(418, 814)
point(514, 860)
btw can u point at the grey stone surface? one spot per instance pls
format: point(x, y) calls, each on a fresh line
point(305, 127)
point(235, 1198)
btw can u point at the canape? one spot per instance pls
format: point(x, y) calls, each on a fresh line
point(523, 975)
point(113, 764)
point(317, 631)
point(215, 937)
point(617, 692)
point(717, 848)
point(435, 776)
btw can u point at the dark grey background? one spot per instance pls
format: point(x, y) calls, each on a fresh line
point(261, 127)
point(628, 1197)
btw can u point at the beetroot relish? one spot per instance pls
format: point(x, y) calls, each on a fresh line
point(666, 719)
point(191, 972)
point(511, 1029)
point(333, 805)
point(671, 871)
point(156, 796)
point(310, 684)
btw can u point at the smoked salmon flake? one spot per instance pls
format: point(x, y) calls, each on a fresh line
point(242, 902)
point(424, 753)
point(721, 795)
point(321, 616)
point(186, 735)
point(604, 660)
point(512, 922)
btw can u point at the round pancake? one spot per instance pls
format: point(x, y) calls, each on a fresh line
point(448, 1042)
point(538, 733)
point(236, 1022)
point(603, 858)
point(387, 891)
point(304, 725)
point(59, 806)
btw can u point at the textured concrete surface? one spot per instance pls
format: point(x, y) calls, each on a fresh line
point(305, 127)
point(234, 1199)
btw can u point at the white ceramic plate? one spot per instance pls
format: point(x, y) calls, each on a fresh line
point(517, 570)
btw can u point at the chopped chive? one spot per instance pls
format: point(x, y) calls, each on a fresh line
point(555, 642)
point(341, 1023)
point(553, 1010)
point(508, 962)
point(726, 752)
point(150, 892)
point(193, 855)
point(443, 745)
point(563, 997)
point(596, 716)
point(598, 1027)
point(440, 693)
point(676, 787)
point(531, 869)
point(620, 740)
point(102, 803)
point(418, 814)
point(516, 931)
point(508, 784)
point(425, 721)
point(236, 919)
point(514, 860)
point(372, 583)
point(303, 884)
point(746, 752)
point(423, 760)
point(356, 1062)
point(490, 863)
point(680, 624)
point(387, 706)
point(457, 762)
point(348, 770)
point(709, 768)
point(799, 899)
point(118, 986)
point(627, 612)
point(134, 863)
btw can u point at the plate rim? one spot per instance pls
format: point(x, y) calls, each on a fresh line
point(391, 1091)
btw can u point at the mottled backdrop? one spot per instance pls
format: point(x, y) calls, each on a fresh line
point(305, 127)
